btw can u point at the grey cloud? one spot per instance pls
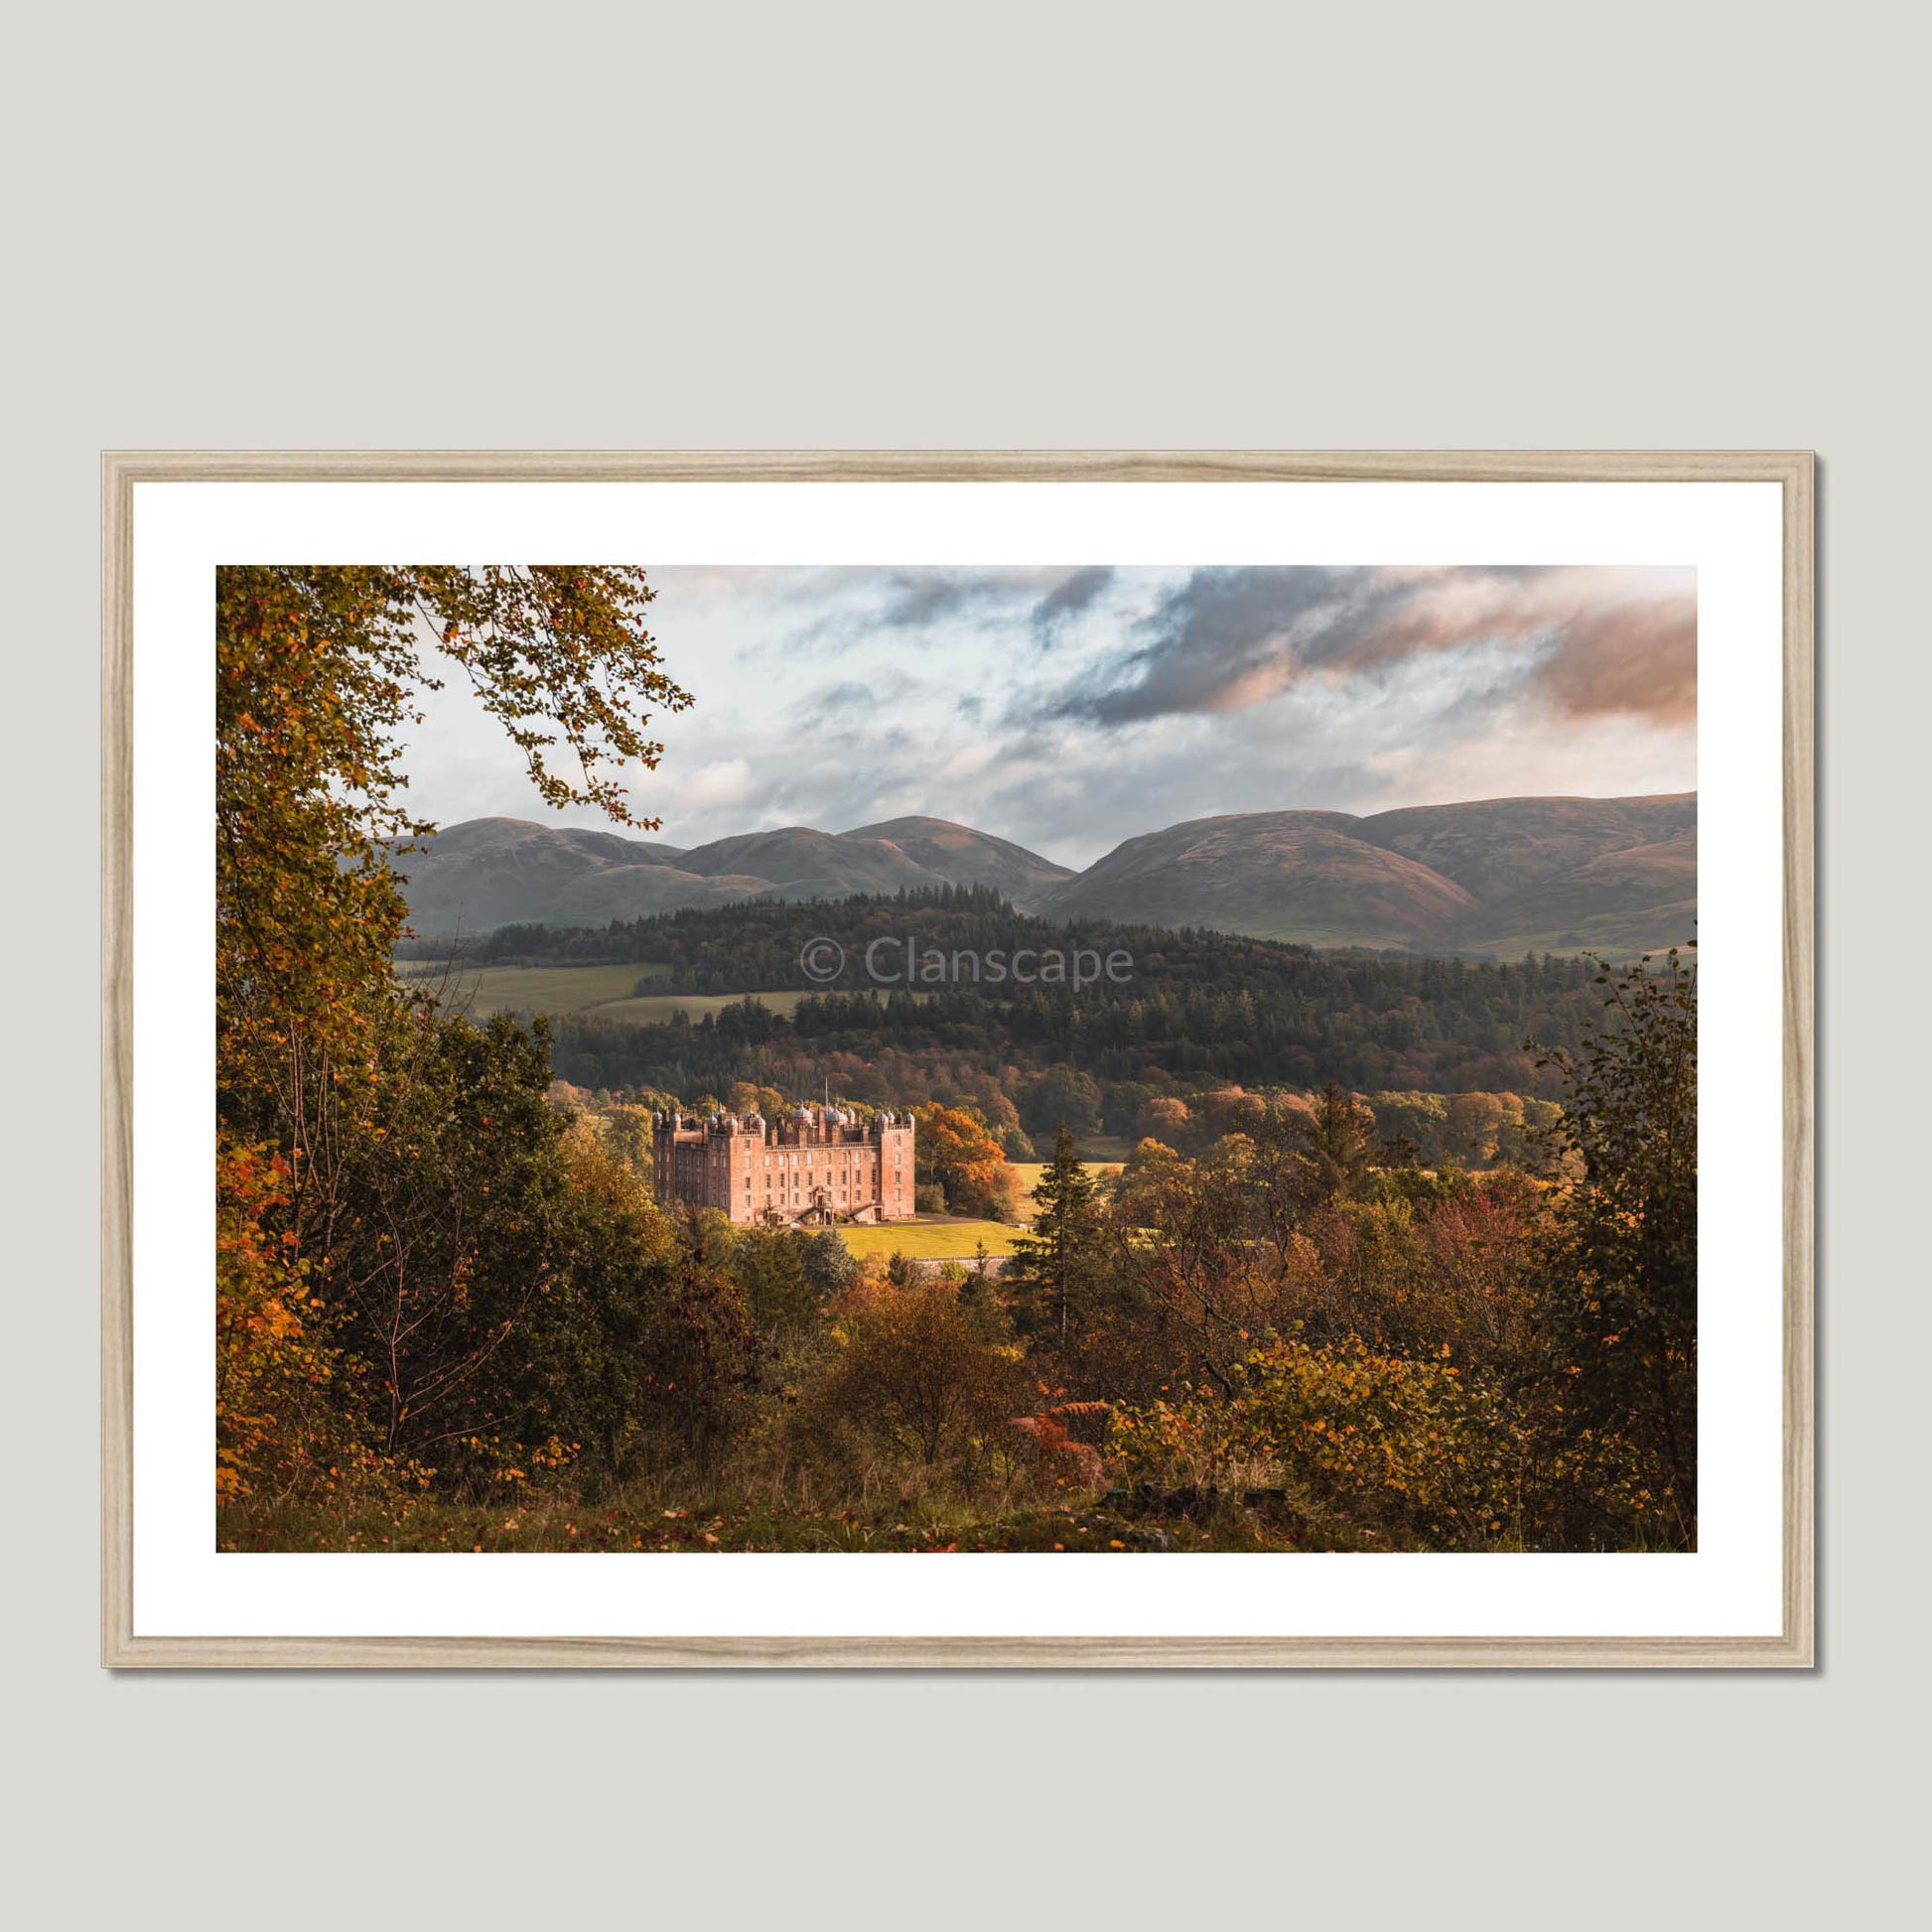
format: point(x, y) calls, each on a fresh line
point(839, 701)
point(1218, 642)
point(862, 602)
point(853, 606)
point(1067, 598)
point(917, 597)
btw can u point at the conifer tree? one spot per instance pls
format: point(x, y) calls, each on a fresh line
point(1055, 1268)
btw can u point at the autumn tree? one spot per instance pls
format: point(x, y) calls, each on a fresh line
point(915, 1366)
point(419, 1177)
point(1188, 1253)
point(423, 1201)
point(1419, 1119)
point(642, 1351)
point(1474, 1124)
point(955, 1150)
point(744, 1097)
point(1528, 1138)
point(1619, 1300)
point(629, 1132)
point(1231, 1110)
point(318, 673)
point(1166, 1118)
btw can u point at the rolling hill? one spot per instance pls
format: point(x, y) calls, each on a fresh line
point(963, 857)
point(491, 872)
point(1504, 846)
point(796, 862)
point(1499, 877)
point(1295, 876)
point(1496, 877)
point(1636, 898)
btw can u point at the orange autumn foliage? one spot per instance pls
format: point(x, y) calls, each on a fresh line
point(959, 1152)
point(276, 1429)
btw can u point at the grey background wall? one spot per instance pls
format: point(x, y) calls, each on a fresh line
point(1049, 225)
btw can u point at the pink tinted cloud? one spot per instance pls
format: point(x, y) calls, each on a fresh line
point(1611, 641)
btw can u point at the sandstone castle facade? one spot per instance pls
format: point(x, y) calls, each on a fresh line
point(818, 1166)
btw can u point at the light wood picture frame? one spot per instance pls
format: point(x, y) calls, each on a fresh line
point(123, 1647)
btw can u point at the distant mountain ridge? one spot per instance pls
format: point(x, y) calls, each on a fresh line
point(1498, 876)
point(491, 872)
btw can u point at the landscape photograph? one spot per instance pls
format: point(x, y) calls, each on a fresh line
point(1109, 1059)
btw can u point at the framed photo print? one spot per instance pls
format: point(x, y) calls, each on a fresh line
point(958, 1060)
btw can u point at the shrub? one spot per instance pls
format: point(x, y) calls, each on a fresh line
point(919, 1372)
point(1389, 1449)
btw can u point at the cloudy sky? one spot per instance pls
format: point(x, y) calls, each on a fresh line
point(1069, 709)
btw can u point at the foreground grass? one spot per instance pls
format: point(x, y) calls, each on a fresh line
point(645, 1523)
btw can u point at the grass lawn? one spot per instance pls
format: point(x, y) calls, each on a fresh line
point(940, 1238)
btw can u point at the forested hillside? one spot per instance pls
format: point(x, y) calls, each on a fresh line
point(1194, 1010)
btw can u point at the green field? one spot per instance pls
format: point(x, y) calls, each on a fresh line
point(930, 1240)
point(607, 991)
point(653, 1009)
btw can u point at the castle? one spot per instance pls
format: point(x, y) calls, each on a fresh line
point(818, 1166)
